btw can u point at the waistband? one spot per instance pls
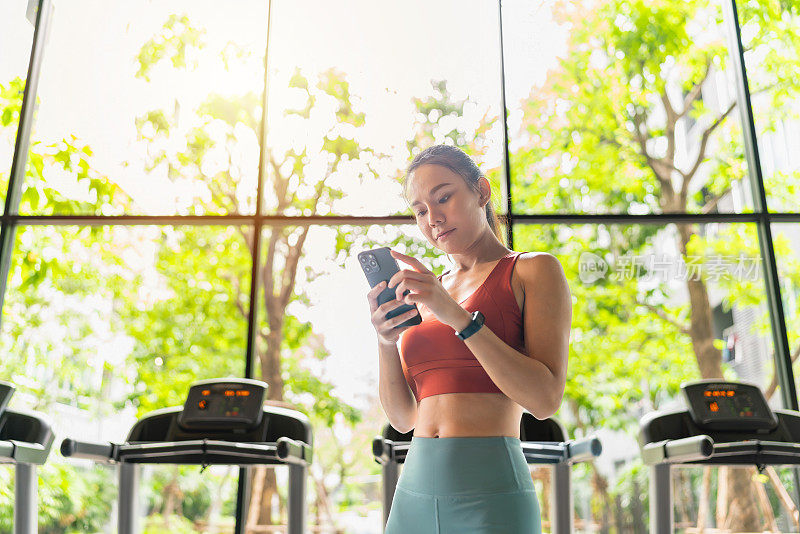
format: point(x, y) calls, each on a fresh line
point(465, 466)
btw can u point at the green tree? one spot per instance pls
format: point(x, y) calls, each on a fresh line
point(609, 122)
point(295, 184)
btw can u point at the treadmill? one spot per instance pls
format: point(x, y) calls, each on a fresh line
point(543, 443)
point(222, 422)
point(726, 423)
point(25, 440)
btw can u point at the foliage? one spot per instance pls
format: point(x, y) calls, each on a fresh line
point(71, 500)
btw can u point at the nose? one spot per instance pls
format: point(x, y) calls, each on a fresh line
point(435, 217)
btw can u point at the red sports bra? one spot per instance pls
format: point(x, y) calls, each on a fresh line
point(435, 361)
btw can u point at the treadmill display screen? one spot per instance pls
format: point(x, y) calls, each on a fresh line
point(225, 403)
point(728, 406)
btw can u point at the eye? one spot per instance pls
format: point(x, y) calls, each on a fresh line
point(443, 199)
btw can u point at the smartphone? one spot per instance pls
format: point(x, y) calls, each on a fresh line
point(379, 265)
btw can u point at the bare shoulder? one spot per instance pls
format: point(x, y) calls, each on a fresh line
point(533, 266)
point(538, 270)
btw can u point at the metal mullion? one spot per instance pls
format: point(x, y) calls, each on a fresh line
point(506, 156)
point(19, 162)
point(655, 218)
point(285, 220)
point(783, 363)
point(243, 485)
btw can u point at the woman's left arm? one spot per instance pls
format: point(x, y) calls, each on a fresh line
point(534, 381)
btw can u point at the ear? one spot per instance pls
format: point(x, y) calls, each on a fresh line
point(485, 192)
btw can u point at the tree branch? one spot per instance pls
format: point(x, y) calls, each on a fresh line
point(711, 204)
point(669, 129)
point(696, 90)
point(773, 385)
point(641, 139)
point(684, 329)
point(701, 153)
point(238, 293)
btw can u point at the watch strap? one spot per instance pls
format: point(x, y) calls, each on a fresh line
point(473, 326)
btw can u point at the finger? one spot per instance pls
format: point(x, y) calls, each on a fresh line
point(386, 307)
point(372, 295)
point(414, 262)
point(399, 276)
point(400, 319)
point(407, 285)
point(376, 290)
point(412, 298)
point(400, 329)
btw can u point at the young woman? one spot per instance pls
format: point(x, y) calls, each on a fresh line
point(493, 341)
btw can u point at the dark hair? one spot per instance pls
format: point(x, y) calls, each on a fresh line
point(460, 163)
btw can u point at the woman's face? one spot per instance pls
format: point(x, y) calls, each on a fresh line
point(443, 202)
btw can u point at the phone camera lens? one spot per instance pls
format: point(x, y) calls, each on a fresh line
point(373, 263)
point(363, 259)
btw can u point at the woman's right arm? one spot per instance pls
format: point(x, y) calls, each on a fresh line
point(396, 397)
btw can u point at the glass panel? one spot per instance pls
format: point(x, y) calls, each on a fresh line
point(360, 87)
point(621, 107)
point(16, 37)
point(182, 499)
point(771, 40)
point(652, 307)
point(170, 103)
point(326, 366)
point(786, 239)
point(102, 325)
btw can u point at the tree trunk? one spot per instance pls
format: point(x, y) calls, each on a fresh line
point(742, 508)
point(212, 517)
point(600, 487)
point(619, 516)
point(637, 510)
point(705, 489)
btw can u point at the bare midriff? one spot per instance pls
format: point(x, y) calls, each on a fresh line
point(454, 415)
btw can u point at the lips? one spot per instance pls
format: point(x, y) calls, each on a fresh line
point(443, 234)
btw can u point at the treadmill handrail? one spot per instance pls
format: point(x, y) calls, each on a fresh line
point(23, 452)
point(6, 450)
point(549, 452)
point(104, 452)
point(293, 451)
point(756, 448)
point(285, 449)
point(583, 449)
point(678, 450)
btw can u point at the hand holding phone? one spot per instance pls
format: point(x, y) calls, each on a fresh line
point(390, 316)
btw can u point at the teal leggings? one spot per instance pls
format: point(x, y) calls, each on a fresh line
point(474, 485)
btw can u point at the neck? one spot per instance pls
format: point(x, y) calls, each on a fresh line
point(487, 248)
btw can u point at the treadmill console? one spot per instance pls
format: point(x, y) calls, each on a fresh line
point(728, 406)
point(230, 403)
point(6, 392)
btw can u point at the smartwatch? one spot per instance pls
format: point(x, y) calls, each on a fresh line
point(474, 326)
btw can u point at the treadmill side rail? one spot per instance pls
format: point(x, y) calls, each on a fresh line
point(584, 449)
point(99, 452)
